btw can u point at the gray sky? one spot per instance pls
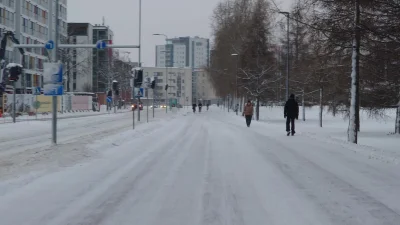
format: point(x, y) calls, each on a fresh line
point(171, 17)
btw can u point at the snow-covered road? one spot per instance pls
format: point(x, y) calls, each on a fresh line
point(209, 168)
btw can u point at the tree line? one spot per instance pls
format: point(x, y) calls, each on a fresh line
point(350, 49)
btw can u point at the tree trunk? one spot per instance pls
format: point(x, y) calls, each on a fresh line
point(257, 108)
point(321, 108)
point(397, 127)
point(352, 130)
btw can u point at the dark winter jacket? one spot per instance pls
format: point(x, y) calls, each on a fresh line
point(291, 109)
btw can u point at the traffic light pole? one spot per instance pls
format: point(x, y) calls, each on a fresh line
point(14, 101)
point(138, 108)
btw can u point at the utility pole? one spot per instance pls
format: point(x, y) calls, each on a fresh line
point(55, 59)
point(140, 33)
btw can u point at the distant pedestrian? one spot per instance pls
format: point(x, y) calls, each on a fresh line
point(291, 112)
point(248, 112)
point(194, 107)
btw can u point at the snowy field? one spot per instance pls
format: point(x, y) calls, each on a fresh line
point(208, 168)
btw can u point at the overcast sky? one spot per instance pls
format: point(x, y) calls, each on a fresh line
point(171, 17)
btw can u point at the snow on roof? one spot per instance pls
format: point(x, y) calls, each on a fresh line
point(13, 65)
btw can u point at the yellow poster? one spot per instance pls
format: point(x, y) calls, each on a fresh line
point(46, 103)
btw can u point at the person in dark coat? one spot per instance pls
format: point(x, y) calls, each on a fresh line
point(291, 112)
point(194, 107)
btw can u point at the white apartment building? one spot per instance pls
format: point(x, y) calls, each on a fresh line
point(79, 62)
point(179, 82)
point(202, 88)
point(31, 22)
point(191, 52)
point(176, 52)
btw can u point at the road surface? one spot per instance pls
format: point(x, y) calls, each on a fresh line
point(209, 168)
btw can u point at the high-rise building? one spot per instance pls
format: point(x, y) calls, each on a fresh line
point(31, 22)
point(78, 62)
point(191, 52)
point(102, 59)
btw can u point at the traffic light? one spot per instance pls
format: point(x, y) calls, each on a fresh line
point(137, 82)
point(166, 87)
point(153, 84)
point(115, 85)
point(14, 72)
point(109, 93)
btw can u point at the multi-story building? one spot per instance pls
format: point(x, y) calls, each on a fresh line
point(31, 21)
point(191, 52)
point(179, 82)
point(79, 61)
point(202, 88)
point(102, 59)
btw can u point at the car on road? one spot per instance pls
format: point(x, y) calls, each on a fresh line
point(134, 106)
point(163, 106)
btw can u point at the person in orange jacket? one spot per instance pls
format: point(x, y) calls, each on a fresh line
point(248, 112)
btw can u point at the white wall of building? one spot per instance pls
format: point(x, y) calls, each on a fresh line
point(84, 63)
point(160, 56)
point(187, 52)
point(174, 73)
point(202, 86)
point(200, 52)
point(179, 55)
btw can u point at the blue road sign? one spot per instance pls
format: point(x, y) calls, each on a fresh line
point(109, 98)
point(53, 89)
point(139, 93)
point(49, 45)
point(36, 91)
point(52, 73)
point(101, 44)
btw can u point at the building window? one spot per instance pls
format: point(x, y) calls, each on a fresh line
point(28, 79)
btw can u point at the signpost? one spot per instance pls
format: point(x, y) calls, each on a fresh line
point(109, 100)
point(138, 94)
point(36, 105)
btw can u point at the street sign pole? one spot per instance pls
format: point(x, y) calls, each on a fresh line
point(14, 101)
point(138, 109)
point(148, 106)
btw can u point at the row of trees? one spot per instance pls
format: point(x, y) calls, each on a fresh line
point(349, 49)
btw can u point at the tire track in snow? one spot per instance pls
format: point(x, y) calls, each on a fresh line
point(128, 183)
point(342, 201)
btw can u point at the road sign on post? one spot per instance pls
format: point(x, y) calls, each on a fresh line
point(52, 79)
point(49, 45)
point(139, 92)
point(109, 98)
point(101, 44)
point(36, 91)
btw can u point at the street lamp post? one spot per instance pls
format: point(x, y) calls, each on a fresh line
point(166, 71)
point(287, 14)
point(236, 76)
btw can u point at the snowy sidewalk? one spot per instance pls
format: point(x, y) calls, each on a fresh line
point(208, 168)
point(26, 146)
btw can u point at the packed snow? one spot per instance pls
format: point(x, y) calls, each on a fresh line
point(203, 168)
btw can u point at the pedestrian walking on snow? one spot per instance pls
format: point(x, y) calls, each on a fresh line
point(291, 112)
point(248, 112)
